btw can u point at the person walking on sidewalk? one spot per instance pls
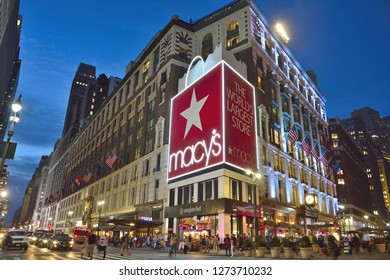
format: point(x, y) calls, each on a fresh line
point(226, 242)
point(173, 245)
point(216, 244)
point(233, 241)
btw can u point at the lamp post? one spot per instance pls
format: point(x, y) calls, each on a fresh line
point(100, 206)
point(16, 107)
point(255, 178)
point(342, 228)
point(2, 206)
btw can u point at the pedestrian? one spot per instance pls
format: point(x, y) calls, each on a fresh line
point(103, 244)
point(173, 245)
point(203, 243)
point(226, 242)
point(233, 241)
point(84, 249)
point(215, 244)
point(125, 244)
point(367, 239)
point(181, 244)
point(91, 244)
point(356, 244)
point(207, 244)
point(185, 240)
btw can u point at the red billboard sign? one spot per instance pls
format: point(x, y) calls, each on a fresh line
point(213, 122)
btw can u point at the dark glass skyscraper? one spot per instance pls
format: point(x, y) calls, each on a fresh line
point(84, 83)
point(10, 28)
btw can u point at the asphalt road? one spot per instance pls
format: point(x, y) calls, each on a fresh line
point(113, 253)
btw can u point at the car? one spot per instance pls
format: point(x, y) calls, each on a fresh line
point(33, 239)
point(15, 239)
point(60, 241)
point(43, 240)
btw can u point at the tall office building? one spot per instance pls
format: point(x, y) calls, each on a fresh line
point(373, 158)
point(83, 85)
point(155, 182)
point(353, 188)
point(376, 128)
point(10, 29)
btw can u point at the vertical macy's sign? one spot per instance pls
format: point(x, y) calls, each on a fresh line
point(213, 122)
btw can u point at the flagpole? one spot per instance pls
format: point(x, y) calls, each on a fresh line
point(102, 165)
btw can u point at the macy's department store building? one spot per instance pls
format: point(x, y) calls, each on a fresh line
point(213, 144)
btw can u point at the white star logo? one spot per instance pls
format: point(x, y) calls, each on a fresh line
point(192, 113)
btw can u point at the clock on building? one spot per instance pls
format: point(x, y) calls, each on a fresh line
point(310, 199)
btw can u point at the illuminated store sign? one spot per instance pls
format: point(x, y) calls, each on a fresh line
point(213, 122)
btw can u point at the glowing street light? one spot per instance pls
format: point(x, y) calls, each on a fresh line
point(16, 107)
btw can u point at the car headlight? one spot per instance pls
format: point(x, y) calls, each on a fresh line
point(55, 242)
point(34, 238)
point(71, 242)
point(44, 241)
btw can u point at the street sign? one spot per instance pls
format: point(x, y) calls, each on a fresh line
point(10, 151)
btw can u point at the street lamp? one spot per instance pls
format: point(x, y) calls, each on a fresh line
point(16, 107)
point(342, 219)
point(100, 206)
point(255, 178)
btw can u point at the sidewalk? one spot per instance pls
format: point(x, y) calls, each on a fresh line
point(240, 255)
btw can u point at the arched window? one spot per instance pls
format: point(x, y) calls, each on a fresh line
point(232, 34)
point(207, 45)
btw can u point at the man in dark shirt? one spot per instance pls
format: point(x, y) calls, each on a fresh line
point(226, 242)
point(91, 244)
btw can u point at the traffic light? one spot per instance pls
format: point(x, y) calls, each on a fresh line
point(4, 171)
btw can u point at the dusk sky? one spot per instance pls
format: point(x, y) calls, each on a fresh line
point(345, 42)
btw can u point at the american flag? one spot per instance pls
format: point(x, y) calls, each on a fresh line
point(314, 153)
point(112, 157)
point(324, 161)
point(77, 183)
point(87, 176)
point(306, 145)
point(323, 158)
point(293, 135)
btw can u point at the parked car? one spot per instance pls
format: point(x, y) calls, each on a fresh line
point(15, 239)
point(60, 241)
point(43, 240)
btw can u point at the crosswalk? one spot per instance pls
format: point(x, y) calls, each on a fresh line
point(64, 255)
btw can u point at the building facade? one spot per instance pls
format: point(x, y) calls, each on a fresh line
point(134, 124)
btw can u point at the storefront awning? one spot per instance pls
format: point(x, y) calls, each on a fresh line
point(284, 225)
point(269, 223)
point(130, 223)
